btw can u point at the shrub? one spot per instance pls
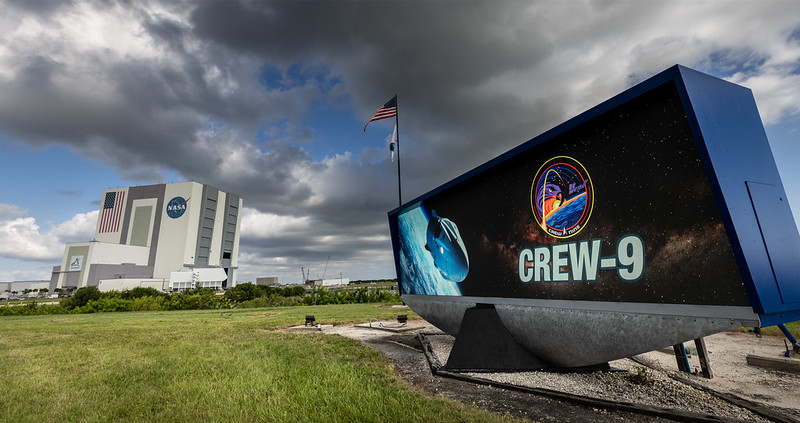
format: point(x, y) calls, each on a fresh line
point(140, 292)
point(32, 309)
point(195, 299)
point(105, 305)
point(293, 291)
point(113, 294)
point(247, 295)
point(273, 300)
point(84, 295)
point(259, 302)
point(243, 292)
point(148, 303)
point(321, 296)
point(246, 292)
point(66, 302)
point(200, 302)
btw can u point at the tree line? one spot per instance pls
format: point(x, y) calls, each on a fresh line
point(247, 295)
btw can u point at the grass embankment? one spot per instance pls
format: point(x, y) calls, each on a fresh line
point(794, 328)
point(198, 366)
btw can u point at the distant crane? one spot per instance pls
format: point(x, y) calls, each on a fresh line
point(305, 275)
point(325, 270)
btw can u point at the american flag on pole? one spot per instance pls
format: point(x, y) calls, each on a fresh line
point(112, 211)
point(388, 110)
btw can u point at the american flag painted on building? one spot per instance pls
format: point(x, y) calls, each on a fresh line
point(112, 211)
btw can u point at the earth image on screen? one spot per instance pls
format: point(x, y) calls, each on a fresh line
point(566, 216)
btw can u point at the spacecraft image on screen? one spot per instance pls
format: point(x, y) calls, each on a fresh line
point(447, 249)
point(416, 262)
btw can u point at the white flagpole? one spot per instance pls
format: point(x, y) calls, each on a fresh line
point(397, 147)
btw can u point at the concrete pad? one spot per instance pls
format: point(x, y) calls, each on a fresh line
point(391, 326)
point(314, 328)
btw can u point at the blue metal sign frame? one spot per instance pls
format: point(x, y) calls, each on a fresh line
point(741, 172)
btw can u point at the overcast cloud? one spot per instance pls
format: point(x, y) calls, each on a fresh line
point(229, 93)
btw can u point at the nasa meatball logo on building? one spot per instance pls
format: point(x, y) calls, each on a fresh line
point(562, 197)
point(176, 207)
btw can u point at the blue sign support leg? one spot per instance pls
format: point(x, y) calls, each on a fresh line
point(683, 359)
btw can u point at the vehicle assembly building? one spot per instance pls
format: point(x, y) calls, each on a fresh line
point(167, 236)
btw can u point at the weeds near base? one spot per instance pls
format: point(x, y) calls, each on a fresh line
point(641, 376)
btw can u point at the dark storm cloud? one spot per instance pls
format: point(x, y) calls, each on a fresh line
point(138, 113)
point(221, 92)
point(436, 55)
point(418, 38)
point(299, 247)
point(166, 31)
point(41, 7)
point(152, 113)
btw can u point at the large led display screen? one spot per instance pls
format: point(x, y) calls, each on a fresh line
point(617, 208)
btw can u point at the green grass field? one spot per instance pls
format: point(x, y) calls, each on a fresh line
point(206, 366)
point(794, 328)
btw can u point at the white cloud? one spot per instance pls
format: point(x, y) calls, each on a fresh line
point(80, 228)
point(22, 238)
point(776, 93)
point(10, 210)
point(25, 275)
point(147, 86)
point(260, 225)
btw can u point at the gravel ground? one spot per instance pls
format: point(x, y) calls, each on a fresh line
point(774, 389)
point(728, 352)
point(659, 390)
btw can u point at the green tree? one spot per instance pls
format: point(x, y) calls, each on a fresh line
point(294, 291)
point(84, 295)
point(193, 299)
point(242, 292)
point(140, 292)
point(105, 305)
point(148, 303)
